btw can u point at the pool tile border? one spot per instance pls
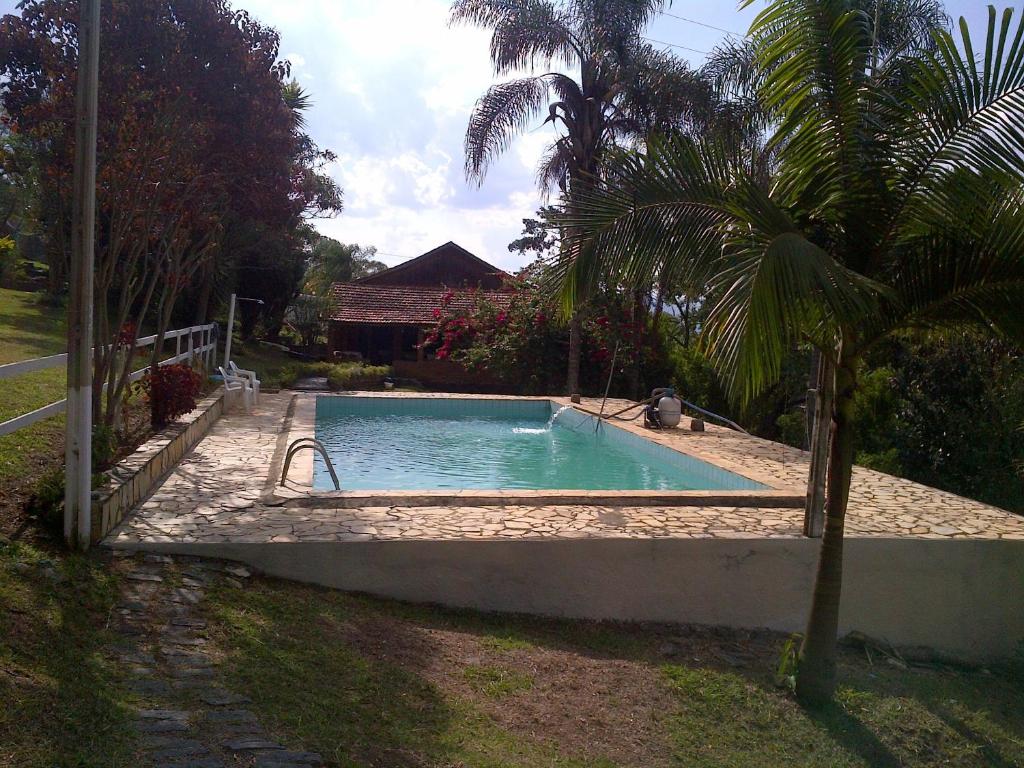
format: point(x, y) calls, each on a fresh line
point(299, 492)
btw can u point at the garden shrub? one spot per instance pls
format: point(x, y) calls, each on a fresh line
point(355, 375)
point(525, 346)
point(338, 375)
point(104, 447)
point(171, 391)
point(8, 259)
point(46, 503)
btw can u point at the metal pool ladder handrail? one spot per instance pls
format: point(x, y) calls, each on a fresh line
point(313, 444)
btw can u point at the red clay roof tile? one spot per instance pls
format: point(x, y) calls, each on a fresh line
point(400, 304)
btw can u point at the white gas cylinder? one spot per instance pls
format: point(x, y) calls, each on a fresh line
point(670, 411)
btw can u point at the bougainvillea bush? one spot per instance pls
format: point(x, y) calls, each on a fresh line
point(525, 346)
point(171, 391)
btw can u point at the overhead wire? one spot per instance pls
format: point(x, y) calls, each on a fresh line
point(702, 24)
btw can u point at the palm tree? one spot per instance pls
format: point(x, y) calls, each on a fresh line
point(592, 109)
point(894, 204)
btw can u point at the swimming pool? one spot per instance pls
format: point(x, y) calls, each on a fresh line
point(409, 443)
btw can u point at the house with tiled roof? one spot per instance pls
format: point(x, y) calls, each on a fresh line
point(383, 317)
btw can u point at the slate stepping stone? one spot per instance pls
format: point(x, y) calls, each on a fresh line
point(286, 757)
point(249, 745)
point(238, 570)
point(176, 749)
point(186, 621)
point(230, 716)
point(151, 558)
point(182, 595)
point(138, 657)
point(141, 576)
point(161, 726)
point(161, 714)
point(202, 762)
point(149, 687)
point(191, 673)
point(184, 640)
point(190, 582)
point(218, 697)
point(240, 730)
point(175, 655)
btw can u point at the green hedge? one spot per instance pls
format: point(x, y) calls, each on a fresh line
point(339, 375)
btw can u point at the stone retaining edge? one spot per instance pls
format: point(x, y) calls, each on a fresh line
point(135, 476)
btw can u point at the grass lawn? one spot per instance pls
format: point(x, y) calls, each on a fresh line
point(374, 683)
point(28, 329)
point(267, 361)
point(61, 703)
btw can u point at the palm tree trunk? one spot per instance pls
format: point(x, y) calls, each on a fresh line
point(575, 353)
point(816, 678)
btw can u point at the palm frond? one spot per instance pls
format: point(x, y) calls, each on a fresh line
point(968, 268)
point(733, 69)
point(960, 114)
point(777, 287)
point(525, 32)
point(553, 171)
point(503, 111)
point(298, 100)
point(660, 212)
point(815, 54)
point(904, 27)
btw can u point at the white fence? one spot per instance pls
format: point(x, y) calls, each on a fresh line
point(183, 337)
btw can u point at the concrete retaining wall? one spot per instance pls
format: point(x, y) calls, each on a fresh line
point(961, 597)
point(134, 477)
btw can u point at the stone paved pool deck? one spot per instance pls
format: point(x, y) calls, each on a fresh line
point(223, 492)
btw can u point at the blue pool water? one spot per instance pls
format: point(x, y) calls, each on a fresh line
point(442, 443)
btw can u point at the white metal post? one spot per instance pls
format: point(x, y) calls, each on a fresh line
point(78, 433)
point(231, 329)
point(191, 337)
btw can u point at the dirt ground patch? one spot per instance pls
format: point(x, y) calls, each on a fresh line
point(587, 701)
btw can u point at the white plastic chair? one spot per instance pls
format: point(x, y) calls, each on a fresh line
point(237, 387)
point(242, 373)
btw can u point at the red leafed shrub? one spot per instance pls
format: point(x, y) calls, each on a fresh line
point(171, 391)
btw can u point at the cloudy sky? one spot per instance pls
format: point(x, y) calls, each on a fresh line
point(393, 86)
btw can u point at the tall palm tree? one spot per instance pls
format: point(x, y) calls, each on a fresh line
point(600, 42)
point(895, 204)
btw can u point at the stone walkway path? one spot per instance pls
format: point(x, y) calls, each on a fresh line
point(186, 719)
point(215, 496)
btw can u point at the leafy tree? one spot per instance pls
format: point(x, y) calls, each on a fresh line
point(307, 316)
point(591, 109)
point(198, 147)
point(333, 262)
point(539, 236)
point(895, 204)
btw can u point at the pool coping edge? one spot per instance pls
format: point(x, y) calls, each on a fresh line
point(298, 491)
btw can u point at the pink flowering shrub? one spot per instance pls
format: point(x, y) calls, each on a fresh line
point(525, 346)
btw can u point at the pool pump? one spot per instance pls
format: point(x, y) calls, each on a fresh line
point(664, 409)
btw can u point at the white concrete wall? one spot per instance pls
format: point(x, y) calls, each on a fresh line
point(962, 597)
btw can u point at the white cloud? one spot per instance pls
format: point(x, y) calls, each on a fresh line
point(392, 88)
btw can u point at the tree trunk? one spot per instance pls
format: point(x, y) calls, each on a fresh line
point(575, 352)
point(819, 402)
point(816, 676)
point(205, 291)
